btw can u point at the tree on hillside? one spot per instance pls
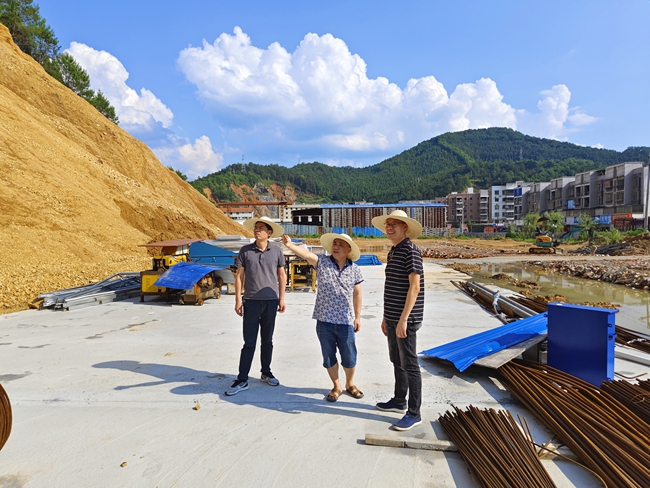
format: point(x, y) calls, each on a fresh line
point(74, 76)
point(33, 36)
point(101, 103)
point(180, 174)
point(29, 30)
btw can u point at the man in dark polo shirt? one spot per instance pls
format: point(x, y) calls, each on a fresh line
point(403, 314)
point(261, 265)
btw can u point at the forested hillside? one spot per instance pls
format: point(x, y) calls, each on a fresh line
point(449, 162)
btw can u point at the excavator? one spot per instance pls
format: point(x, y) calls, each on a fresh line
point(544, 241)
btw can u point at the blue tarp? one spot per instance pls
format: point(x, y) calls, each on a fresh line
point(464, 352)
point(368, 260)
point(183, 276)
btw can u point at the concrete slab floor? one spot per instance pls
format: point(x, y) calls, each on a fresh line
point(97, 387)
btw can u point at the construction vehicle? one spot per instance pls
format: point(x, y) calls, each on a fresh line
point(546, 244)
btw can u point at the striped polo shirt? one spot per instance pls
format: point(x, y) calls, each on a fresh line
point(403, 259)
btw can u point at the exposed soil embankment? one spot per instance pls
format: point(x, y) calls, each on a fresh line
point(77, 193)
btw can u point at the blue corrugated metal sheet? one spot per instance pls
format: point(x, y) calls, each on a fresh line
point(464, 352)
point(206, 253)
point(183, 276)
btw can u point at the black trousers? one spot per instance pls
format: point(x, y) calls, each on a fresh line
point(258, 315)
point(403, 354)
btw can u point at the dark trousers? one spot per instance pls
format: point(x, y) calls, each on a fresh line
point(403, 354)
point(258, 315)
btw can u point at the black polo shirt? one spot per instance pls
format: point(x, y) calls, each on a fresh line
point(403, 259)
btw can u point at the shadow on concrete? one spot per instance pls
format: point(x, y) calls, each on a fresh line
point(485, 377)
point(281, 398)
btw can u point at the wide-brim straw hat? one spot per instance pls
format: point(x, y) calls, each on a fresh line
point(278, 230)
point(327, 240)
point(414, 227)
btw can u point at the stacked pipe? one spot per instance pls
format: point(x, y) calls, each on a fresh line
point(495, 449)
point(5, 417)
point(606, 435)
point(534, 305)
point(487, 298)
point(635, 397)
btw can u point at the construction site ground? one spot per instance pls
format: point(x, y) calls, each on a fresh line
point(132, 394)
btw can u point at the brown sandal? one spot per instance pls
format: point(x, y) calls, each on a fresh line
point(354, 392)
point(334, 395)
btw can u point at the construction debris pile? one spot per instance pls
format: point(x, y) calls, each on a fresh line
point(448, 250)
point(633, 274)
point(608, 437)
point(632, 246)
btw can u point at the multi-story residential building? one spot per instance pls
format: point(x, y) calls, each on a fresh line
point(584, 191)
point(503, 201)
point(558, 193)
point(468, 206)
point(536, 197)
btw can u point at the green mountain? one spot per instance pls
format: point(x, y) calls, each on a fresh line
point(449, 162)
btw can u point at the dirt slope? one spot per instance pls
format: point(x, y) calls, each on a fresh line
point(77, 193)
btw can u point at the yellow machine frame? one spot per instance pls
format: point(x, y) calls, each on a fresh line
point(302, 274)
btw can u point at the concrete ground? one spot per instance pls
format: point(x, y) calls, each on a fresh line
point(106, 396)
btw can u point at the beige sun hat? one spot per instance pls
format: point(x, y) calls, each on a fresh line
point(414, 227)
point(327, 240)
point(277, 229)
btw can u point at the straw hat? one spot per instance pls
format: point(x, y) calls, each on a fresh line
point(414, 227)
point(327, 240)
point(277, 229)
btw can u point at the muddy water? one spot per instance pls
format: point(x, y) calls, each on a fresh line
point(635, 304)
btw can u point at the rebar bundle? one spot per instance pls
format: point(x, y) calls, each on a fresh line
point(632, 339)
point(5, 417)
point(644, 384)
point(633, 396)
point(606, 435)
point(498, 453)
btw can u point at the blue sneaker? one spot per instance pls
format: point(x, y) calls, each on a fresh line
point(407, 422)
point(391, 406)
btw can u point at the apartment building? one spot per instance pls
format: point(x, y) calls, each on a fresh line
point(502, 200)
point(469, 206)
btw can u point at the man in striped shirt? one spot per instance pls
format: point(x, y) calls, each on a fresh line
point(403, 314)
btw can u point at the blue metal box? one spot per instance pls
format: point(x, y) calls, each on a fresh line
point(581, 341)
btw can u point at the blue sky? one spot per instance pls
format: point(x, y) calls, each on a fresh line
point(210, 83)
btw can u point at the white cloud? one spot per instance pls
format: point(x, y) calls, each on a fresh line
point(201, 156)
point(320, 96)
point(135, 111)
point(194, 160)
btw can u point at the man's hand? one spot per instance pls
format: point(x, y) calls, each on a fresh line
point(286, 240)
point(239, 310)
point(357, 324)
point(383, 326)
point(281, 306)
point(400, 330)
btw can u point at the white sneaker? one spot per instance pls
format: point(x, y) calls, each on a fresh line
point(237, 386)
point(270, 379)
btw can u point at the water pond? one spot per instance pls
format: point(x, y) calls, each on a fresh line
point(635, 304)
